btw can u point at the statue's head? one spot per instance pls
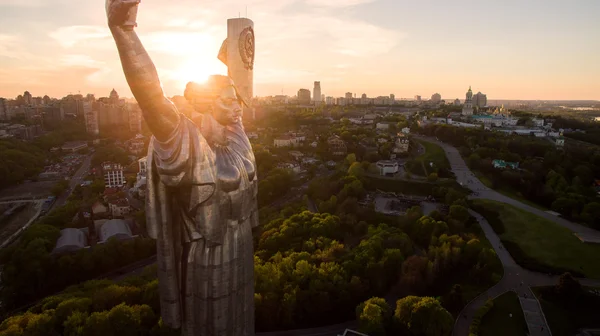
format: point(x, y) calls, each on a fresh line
point(218, 97)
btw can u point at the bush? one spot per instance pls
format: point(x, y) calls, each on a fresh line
point(479, 314)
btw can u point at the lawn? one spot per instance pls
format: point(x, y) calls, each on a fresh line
point(498, 321)
point(433, 153)
point(566, 321)
point(542, 245)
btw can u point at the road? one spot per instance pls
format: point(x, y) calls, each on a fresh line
point(17, 233)
point(515, 277)
point(76, 180)
point(465, 177)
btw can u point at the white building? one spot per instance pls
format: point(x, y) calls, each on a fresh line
point(143, 165)
point(538, 122)
point(296, 154)
point(387, 167)
point(468, 107)
point(406, 130)
point(317, 92)
point(113, 175)
point(73, 147)
point(465, 125)
point(401, 145)
point(560, 141)
point(284, 141)
point(291, 166)
point(383, 126)
point(119, 207)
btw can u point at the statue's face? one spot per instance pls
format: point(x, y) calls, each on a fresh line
point(226, 108)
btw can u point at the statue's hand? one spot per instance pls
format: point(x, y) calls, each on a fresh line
point(122, 13)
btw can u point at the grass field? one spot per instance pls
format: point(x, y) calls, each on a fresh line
point(543, 241)
point(497, 322)
point(433, 153)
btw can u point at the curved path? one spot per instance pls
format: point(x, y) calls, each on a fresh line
point(515, 277)
point(469, 180)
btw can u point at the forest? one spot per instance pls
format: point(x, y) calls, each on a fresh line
point(311, 269)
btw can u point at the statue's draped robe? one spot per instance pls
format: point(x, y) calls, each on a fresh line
point(201, 207)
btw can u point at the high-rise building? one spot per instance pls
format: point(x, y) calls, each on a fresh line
point(348, 95)
point(90, 116)
point(27, 98)
point(304, 97)
point(392, 98)
point(113, 175)
point(3, 109)
point(468, 107)
point(417, 98)
point(330, 101)
point(436, 98)
point(317, 92)
point(73, 104)
point(135, 118)
point(457, 102)
point(46, 100)
point(114, 97)
point(479, 100)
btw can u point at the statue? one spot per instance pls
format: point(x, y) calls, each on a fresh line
point(201, 197)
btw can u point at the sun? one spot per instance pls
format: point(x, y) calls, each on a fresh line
point(193, 72)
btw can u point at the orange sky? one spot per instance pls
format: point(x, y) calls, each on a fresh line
point(362, 46)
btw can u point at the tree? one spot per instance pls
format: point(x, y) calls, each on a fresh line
point(459, 213)
point(591, 214)
point(356, 170)
point(433, 177)
point(350, 158)
point(60, 187)
point(454, 301)
point(423, 316)
point(568, 288)
point(373, 316)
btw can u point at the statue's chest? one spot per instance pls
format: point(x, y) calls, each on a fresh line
point(236, 183)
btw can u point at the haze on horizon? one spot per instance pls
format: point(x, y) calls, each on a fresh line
point(507, 49)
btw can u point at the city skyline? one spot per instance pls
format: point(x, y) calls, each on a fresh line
point(508, 51)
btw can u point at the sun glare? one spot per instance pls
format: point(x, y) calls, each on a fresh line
point(194, 72)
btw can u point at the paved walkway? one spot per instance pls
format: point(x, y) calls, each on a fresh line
point(469, 180)
point(515, 277)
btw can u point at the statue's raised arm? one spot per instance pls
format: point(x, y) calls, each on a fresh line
point(159, 112)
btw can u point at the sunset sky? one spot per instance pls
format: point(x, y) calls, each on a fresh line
point(508, 49)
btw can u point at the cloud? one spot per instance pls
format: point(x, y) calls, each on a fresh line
point(337, 3)
point(71, 35)
point(11, 47)
point(27, 3)
point(293, 46)
point(79, 60)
